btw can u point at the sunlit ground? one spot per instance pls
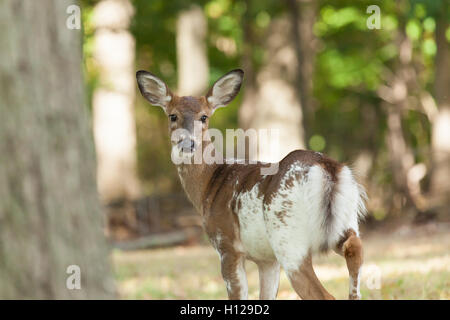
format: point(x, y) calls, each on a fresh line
point(414, 263)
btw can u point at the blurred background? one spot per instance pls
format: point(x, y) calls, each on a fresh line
point(323, 72)
point(377, 99)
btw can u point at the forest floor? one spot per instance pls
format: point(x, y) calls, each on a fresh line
point(408, 262)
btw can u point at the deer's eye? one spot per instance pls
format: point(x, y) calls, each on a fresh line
point(173, 117)
point(203, 118)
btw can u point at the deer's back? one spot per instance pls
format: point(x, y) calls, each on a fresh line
point(239, 201)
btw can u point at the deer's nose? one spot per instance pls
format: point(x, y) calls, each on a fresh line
point(187, 145)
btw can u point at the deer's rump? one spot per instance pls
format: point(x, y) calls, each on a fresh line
point(306, 207)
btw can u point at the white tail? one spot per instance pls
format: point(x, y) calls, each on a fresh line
point(311, 204)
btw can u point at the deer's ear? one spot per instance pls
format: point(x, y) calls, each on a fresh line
point(153, 89)
point(225, 89)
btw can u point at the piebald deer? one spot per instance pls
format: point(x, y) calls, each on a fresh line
point(310, 205)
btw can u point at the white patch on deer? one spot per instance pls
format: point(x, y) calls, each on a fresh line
point(237, 245)
point(270, 279)
point(354, 290)
point(295, 217)
point(253, 233)
point(242, 279)
point(295, 214)
point(347, 206)
point(228, 284)
point(216, 240)
point(181, 173)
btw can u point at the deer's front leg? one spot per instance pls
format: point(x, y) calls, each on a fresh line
point(233, 273)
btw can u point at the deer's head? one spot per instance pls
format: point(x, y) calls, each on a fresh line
point(186, 113)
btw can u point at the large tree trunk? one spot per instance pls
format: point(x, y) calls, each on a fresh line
point(271, 100)
point(192, 59)
point(49, 211)
point(113, 101)
point(440, 180)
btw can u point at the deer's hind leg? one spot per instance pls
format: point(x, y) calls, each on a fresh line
point(289, 240)
point(351, 248)
point(306, 284)
point(269, 279)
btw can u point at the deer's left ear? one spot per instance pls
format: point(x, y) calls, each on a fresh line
point(225, 89)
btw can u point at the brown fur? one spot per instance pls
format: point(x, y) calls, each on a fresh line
point(351, 248)
point(306, 284)
point(212, 189)
point(219, 215)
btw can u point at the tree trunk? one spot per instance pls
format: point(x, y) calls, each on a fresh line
point(400, 84)
point(303, 15)
point(192, 59)
point(49, 211)
point(113, 101)
point(272, 101)
point(440, 182)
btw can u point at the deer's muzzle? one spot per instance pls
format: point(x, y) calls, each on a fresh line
point(187, 145)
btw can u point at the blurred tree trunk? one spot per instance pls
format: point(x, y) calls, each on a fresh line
point(271, 99)
point(303, 14)
point(440, 180)
point(396, 95)
point(192, 58)
point(49, 211)
point(113, 101)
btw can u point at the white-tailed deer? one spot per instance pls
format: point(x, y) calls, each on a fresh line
point(310, 205)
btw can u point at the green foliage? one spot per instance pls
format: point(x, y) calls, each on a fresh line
point(351, 65)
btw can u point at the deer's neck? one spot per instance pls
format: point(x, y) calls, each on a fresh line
point(195, 179)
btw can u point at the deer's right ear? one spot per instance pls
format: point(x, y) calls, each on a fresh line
point(153, 89)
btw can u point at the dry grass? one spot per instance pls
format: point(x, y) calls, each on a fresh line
point(414, 263)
